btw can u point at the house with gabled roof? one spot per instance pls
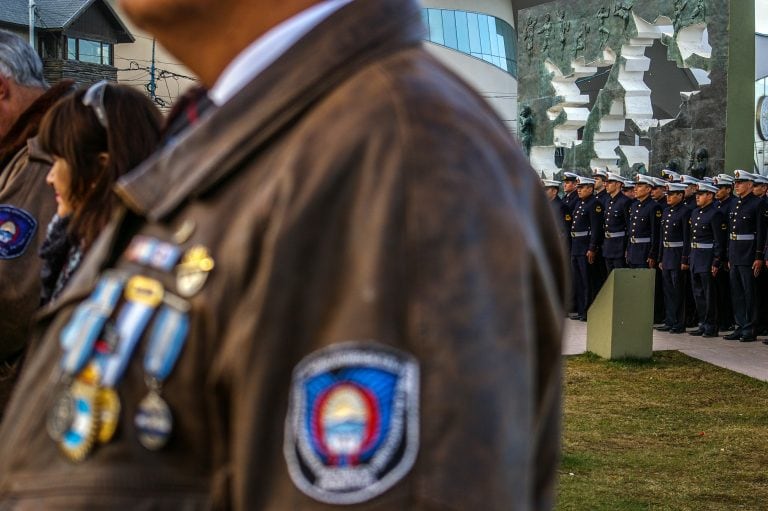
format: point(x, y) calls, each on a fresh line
point(74, 38)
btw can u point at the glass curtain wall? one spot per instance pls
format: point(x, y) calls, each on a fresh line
point(478, 35)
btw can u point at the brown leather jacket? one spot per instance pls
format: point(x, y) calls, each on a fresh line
point(23, 168)
point(355, 191)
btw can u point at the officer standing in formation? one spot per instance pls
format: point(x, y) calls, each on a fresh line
point(674, 248)
point(645, 222)
point(724, 201)
point(615, 226)
point(561, 210)
point(709, 230)
point(586, 239)
point(746, 245)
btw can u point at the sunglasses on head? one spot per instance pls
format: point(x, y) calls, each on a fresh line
point(94, 98)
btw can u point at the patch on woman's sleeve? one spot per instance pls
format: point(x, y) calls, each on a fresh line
point(353, 422)
point(17, 227)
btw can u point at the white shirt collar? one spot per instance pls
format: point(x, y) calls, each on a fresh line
point(268, 48)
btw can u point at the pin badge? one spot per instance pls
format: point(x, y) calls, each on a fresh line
point(193, 271)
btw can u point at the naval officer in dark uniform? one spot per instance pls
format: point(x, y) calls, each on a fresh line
point(724, 201)
point(745, 254)
point(645, 220)
point(600, 175)
point(586, 238)
point(691, 185)
point(709, 229)
point(674, 248)
point(659, 192)
point(615, 224)
point(562, 212)
point(629, 190)
point(570, 196)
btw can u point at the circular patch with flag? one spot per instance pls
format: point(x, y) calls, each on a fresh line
point(352, 426)
point(16, 230)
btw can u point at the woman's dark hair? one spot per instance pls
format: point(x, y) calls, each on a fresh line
point(72, 131)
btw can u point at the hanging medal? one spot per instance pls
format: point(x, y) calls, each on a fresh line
point(142, 296)
point(154, 420)
point(78, 339)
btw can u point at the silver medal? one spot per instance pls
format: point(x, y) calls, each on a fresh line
point(61, 415)
point(154, 422)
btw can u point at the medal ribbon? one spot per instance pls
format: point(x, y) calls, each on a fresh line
point(143, 295)
point(79, 336)
point(169, 334)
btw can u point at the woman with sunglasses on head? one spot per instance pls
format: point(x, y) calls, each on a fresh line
point(94, 137)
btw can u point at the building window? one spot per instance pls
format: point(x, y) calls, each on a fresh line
point(478, 35)
point(85, 50)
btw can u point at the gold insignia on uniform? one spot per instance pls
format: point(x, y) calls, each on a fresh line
point(599, 209)
point(567, 218)
point(108, 405)
point(193, 271)
point(144, 290)
point(78, 440)
point(658, 214)
point(724, 227)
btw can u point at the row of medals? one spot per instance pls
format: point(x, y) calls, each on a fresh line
point(86, 413)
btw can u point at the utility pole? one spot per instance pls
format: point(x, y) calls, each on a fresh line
point(32, 24)
point(152, 84)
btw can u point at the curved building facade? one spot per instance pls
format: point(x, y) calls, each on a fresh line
point(477, 40)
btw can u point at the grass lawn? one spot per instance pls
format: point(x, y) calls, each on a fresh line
point(673, 433)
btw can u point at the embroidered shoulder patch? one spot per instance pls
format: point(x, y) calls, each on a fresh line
point(353, 422)
point(17, 227)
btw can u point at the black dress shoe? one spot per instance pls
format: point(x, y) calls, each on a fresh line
point(735, 336)
point(662, 328)
point(748, 339)
point(709, 335)
point(696, 333)
point(677, 330)
point(765, 341)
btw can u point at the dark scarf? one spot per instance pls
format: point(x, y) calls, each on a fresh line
point(28, 124)
point(61, 257)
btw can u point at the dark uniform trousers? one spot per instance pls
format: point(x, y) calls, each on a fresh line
point(747, 227)
point(674, 248)
point(708, 241)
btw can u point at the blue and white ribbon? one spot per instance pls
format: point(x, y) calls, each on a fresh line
point(169, 334)
point(153, 253)
point(79, 336)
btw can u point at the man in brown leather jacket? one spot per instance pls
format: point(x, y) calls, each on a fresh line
point(26, 201)
point(343, 286)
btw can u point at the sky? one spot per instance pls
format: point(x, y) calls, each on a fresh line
point(761, 16)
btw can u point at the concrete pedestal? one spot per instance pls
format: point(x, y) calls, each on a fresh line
point(620, 321)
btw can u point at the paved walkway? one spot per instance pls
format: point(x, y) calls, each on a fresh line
point(750, 358)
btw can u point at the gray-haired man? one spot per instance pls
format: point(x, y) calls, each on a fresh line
point(26, 202)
